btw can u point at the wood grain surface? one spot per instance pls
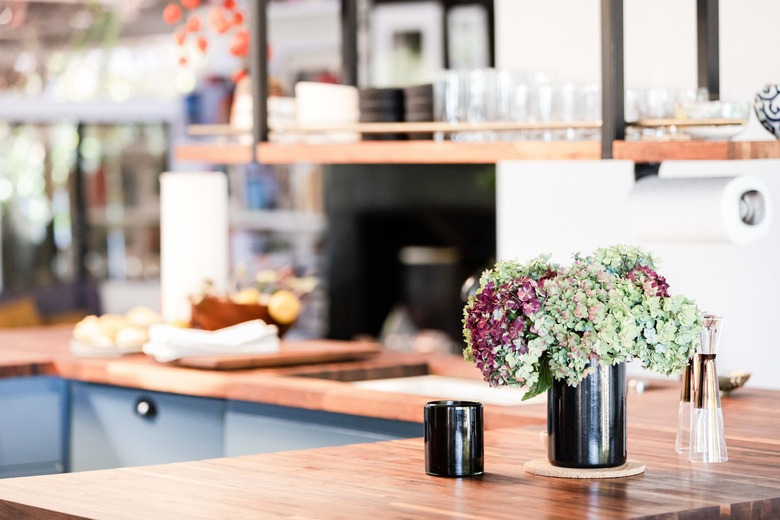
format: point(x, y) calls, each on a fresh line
point(392, 152)
point(290, 353)
point(452, 152)
point(648, 151)
point(387, 480)
point(321, 386)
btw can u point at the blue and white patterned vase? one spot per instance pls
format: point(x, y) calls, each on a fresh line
point(767, 107)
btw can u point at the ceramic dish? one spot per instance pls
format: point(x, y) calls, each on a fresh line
point(737, 111)
point(732, 380)
point(81, 349)
point(713, 133)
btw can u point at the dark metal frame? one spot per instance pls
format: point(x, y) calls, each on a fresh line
point(449, 4)
point(491, 28)
point(708, 46)
point(612, 61)
point(612, 64)
point(349, 42)
point(80, 223)
point(258, 70)
point(613, 121)
point(258, 53)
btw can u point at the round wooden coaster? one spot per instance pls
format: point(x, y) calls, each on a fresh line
point(544, 468)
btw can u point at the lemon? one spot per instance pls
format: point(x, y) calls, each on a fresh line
point(246, 296)
point(284, 307)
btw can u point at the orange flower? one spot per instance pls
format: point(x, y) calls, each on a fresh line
point(179, 37)
point(171, 14)
point(218, 20)
point(193, 23)
point(240, 45)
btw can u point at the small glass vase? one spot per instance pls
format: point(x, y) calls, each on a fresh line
point(708, 441)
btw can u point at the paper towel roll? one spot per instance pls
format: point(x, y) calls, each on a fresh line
point(712, 209)
point(194, 238)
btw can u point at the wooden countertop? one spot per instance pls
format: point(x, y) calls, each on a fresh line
point(388, 479)
point(46, 350)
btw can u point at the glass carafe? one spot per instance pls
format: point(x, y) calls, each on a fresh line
point(683, 440)
point(708, 442)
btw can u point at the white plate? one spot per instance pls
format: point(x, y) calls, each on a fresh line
point(81, 349)
point(713, 133)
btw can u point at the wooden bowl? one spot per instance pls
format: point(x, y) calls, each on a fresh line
point(212, 313)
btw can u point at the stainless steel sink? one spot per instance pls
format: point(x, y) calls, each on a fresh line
point(445, 387)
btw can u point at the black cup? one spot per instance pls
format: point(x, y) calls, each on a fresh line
point(454, 445)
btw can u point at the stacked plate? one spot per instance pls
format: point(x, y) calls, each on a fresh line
point(324, 104)
point(418, 107)
point(382, 105)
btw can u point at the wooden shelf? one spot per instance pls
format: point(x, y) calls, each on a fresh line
point(392, 152)
point(214, 153)
point(451, 152)
point(648, 151)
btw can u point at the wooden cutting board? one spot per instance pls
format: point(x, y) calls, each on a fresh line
point(290, 353)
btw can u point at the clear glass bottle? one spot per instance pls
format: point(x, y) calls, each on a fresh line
point(708, 441)
point(683, 440)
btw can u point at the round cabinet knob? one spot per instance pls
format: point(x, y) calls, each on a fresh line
point(145, 407)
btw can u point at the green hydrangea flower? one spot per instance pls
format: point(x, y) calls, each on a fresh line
point(531, 322)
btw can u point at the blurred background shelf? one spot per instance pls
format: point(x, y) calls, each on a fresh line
point(451, 152)
point(26, 109)
point(392, 152)
point(280, 221)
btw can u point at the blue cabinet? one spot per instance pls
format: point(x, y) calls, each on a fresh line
point(49, 425)
point(261, 428)
point(33, 426)
point(118, 427)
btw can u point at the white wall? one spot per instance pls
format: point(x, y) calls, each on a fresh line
point(563, 207)
point(564, 37)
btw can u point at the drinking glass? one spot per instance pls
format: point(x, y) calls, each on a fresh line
point(682, 441)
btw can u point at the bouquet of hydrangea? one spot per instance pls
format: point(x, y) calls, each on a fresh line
point(529, 323)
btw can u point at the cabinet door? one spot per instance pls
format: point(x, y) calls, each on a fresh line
point(117, 427)
point(258, 428)
point(32, 426)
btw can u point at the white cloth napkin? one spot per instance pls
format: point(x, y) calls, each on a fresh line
point(168, 343)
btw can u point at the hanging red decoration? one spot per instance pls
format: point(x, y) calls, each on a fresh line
point(218, 20)
point(224, 17)
point(171, 14)
point(240, 45)
point(193, 23)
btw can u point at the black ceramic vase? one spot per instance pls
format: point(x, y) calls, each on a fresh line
point(586, 424)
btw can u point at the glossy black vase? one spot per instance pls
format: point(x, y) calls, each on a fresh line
point(586, 424)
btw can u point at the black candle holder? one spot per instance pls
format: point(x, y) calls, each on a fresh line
point(454, 445)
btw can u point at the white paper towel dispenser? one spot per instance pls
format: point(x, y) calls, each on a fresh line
point(701, 209)
point(194, 238)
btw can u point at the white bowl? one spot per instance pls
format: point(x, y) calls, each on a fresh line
point(736, 111)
